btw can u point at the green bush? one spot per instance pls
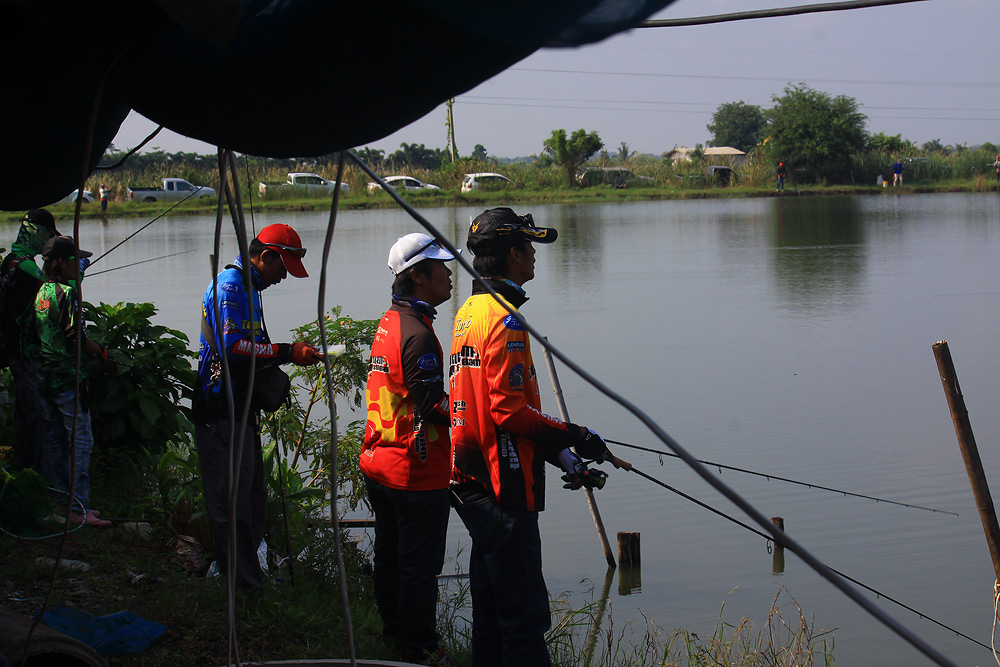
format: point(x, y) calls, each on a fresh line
point(139, 399)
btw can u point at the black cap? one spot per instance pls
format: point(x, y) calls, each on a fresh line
point(62, 247)
point(501, 228)
point(41, 217)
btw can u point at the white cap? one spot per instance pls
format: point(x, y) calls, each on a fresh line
point(413, 248)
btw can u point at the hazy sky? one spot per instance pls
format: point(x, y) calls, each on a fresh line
point(927, 70)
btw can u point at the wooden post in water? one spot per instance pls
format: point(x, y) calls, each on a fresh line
point(628, 549)
point(778, 557)
point(970, 453)
point(564, 414)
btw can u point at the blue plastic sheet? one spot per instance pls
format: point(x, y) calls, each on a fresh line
point(121, 633)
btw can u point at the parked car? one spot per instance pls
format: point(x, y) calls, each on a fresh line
point(173, 189)
point(614, 176)
point(306, 182)
point(88, 198)
point(402, 183)
point(486, 180)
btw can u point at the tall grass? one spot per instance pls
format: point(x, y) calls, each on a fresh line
point(587, 635)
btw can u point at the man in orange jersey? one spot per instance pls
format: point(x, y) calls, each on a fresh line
point(406, 457)
point(500, 442)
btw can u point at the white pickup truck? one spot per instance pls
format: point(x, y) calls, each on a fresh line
point(173, 189)
point(304, 181)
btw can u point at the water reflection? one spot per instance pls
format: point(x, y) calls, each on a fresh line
point(818, 253)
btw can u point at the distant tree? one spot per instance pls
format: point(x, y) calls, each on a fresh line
point(933, 146)
point(698, 154)
point(373, 157)
point(571, 153)
point(418, 156)
point(625, 153)
point(814, 133)
point(737, 124)
point(884, 143)
point(479, 153)
point(990, 148)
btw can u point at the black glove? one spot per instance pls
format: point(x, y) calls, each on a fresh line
point(592, 446)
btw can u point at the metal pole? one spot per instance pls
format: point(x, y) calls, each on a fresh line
point(594, 512)
point(970, 453)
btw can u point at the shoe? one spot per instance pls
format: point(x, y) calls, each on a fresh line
point(93, 518)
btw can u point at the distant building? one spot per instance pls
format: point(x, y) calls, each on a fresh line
point(729, 155)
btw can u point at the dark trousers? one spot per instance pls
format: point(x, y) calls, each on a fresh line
point(212, 440)
point(30, 430)
point(410, 531)
point(510, 605)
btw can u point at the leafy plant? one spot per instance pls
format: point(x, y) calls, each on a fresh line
point(139, 399)
point(302, 429)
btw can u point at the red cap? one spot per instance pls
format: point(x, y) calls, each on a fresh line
point(285, 241)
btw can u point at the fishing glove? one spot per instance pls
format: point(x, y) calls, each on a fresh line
point(592, 446)
point(577, 474)
point(304, 354)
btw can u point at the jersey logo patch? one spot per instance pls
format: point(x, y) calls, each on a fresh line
point(515, 345)
point(516, 377)
point(511, 323)
point(428, 362)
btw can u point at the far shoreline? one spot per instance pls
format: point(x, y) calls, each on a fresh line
point(513, 198)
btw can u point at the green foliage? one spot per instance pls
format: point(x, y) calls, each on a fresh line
point(571, 153)
point(737, 124)
point(24, 502)
point(816, 135)
point(479, 153)
point(138, 398)
point(303, 429)
point(933, 146)
point(416, 155)
point(884, 143)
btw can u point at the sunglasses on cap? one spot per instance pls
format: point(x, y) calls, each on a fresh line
point(527, 228)
point(430, 244)
point(296, 252)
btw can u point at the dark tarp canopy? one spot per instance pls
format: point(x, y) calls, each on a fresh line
point(277, 78)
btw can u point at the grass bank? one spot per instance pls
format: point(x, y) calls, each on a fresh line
point(304, 620)
point(515, 198)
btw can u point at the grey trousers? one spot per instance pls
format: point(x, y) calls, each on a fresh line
point(212, 441)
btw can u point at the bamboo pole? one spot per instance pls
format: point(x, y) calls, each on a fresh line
point(591, 502)
point(970, 452)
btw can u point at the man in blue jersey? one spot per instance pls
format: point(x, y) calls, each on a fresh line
point(232, 325)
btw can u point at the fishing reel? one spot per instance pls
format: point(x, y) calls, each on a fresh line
point(582, 476)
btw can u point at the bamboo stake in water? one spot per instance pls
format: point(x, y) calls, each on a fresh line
point(564, 414)
point(970, 452)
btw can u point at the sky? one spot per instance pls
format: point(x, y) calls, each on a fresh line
point(925, 70)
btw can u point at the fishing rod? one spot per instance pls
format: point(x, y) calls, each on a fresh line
point(769, 476)
point(127, 238)
point(702, 471)
point(625, 465)
point(143, 261)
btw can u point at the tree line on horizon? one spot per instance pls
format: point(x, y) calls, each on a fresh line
point(821, 139)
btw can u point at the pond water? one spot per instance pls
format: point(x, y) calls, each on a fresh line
point(790, 336)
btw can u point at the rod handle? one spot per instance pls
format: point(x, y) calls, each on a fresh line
point(618, 463)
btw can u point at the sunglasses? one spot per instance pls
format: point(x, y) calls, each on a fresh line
point(295, 252)
point(433, 242)
point(528, 228)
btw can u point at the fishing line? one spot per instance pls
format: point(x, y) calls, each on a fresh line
point(122, 242)
point(143, 261)
point(618, 463)
point(769, 476)
point(821, 568)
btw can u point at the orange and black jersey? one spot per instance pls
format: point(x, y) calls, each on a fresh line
point(406, 436)
point(500, 437)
